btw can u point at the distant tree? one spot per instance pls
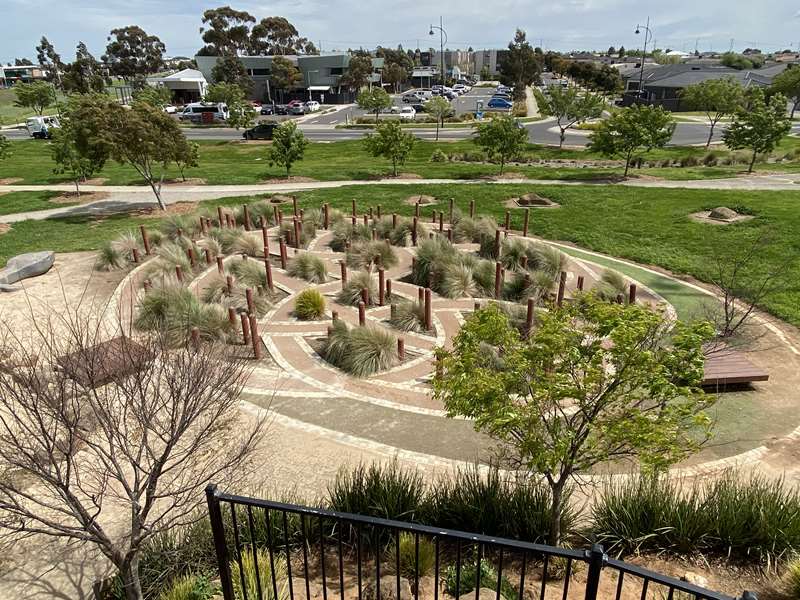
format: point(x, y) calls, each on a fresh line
point(570, 106)
point(277, 36)
point(242, 113)
point(611, 51)
point(85, 74)
point(22, 62)
point(502, 138)
point(74, 148)
point(621, 52)
point(439, 108)
point(636, 128)
point(788, 84)
point(374, 100)
point(187, 156)
point(226, 32)
point(391, 142)
point(594, 382)
point(288, 146)
point(717, 98)
point(157, 96)
point(229, 69)
point(5, 147)
point(760, 126)
point(284, 75)
point(50, 60)
point(37, 95)
point(358, 73)
point(395, 74)
point(133, 53)
point(740, 62)
point(520, 66)
point(486, 74)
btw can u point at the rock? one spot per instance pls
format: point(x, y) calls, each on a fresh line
point(421, 198)
point(299, 588)
point(534, 199)
point(723, 213)
point(8, 288)
point(280, 199)
point(27, 265)
point(388, 589)
point(484, 594)
point(695, 579)
point(427, 585)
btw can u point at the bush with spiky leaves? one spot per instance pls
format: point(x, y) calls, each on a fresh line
point(227, 238)
point(365, 255)
point(211, 244)
point(611, 285)
point(360, 351)
point(215, 288)
point(155, 237)
point(512, 253)
point(168, 256)
point(211, 321)
point(249, 273)
point(483, 273)
point(250, 244)
point(109, 258)
point(466, 230)
point(350, 293)
point(309, 267)
point(458, 281)
point(529, 284)
point(172, 224)
point(398, 235)
point(484, 236)
point(309, 305)
point(408, 316)
point(238, 301)
point(307, 232)
point(154, 307)
point(344, 232)
point(125, 244)
point(433, 255)
point(548, 259)
point(261, 209)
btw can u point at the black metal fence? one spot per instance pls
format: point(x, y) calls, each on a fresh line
point(275, 551)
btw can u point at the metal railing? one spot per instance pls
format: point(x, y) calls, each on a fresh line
point(366, 552)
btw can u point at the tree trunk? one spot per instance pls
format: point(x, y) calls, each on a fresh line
point(752, 161)
point(157, 191)
point(502, 164)
point(561, 138)
point(437, 130)
point(627, 164)
point(130, 579)
point(377, 113)
point(77, 188)
point(394, 167)
point(557, 492)
point(710, 134)
point(794, 108)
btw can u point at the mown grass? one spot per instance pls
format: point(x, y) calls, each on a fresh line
point(234, 162)
point(17, 202)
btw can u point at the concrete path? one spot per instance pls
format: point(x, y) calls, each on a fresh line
point(126, 198)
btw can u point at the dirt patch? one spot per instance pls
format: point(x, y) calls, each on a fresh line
point(292, 179)
point(421, 198)
point(4, 228)
point(531, 200)
point(96, 181)
point(188, 181)
point(83, 198)
point(10, 180)
point(504, 176)
point(179, 208)
point(408, 176)
point(718, 216)
point(279, 199)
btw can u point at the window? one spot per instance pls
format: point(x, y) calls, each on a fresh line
point(336, 71)
point(259, 72)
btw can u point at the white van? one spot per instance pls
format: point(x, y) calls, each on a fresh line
point(40, 127)
point(204, 112)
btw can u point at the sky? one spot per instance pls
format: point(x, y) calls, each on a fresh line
point(770, 25)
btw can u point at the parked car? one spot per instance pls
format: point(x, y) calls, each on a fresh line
point(201, 112)
point(41, 127)
point(407, 113)
point(267, 109)
point(461, 88)
point(295, 103)
point(262, 131)
point(419, 107)
point(503, 96)
point(412, 97)
point(312, 106)
point(170, 109)
point(281, 109)
point(426, 93)
point(297, 109)
point(499, 103)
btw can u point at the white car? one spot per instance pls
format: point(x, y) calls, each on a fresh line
point(312, 106)
point(42, 127)
point(413, 97)
point(407, 113)
point(461, 88)
point(170, 109)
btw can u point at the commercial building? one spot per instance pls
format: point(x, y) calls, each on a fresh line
point(188, 85)
point(488, 59)
point(20, 74)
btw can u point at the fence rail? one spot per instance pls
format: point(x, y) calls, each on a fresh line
point(266, 549)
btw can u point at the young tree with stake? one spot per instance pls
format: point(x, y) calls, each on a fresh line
point(288, 145)
point(374, 100)
point(439, 108)
point(37, 95)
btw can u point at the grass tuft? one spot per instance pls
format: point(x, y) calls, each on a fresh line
point(309, 305)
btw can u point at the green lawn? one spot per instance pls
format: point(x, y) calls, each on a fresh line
point(226, 162)
point(17, 202)
point(10, 114)
point(649, 226)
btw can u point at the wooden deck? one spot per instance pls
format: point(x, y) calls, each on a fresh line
point(726, 367)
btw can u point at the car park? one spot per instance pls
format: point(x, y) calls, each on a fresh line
point(502, 95)
point(461, 88)
point(419, 107)
point(501, 103)
point(412, 97)
point(281, 109)
point(204, 112)
point(262, 131)
point(297, 109)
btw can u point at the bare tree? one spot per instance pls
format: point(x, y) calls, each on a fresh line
point(112, 443)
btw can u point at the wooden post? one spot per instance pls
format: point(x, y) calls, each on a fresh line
point(362, 314)
point(525, 223)
point(354, 207)
point(279, 215)
point(374, 234)
point(498, 279)
point(388, 289)
point(497, 243)
point(334, 316)
point(580, 283)
point(246, 217)
point(451, 211)
point(529, 315)
point(135, 253)
point(381, 286)
point(449, 235)
point(294, 205)
point(562, 285)
point(370, 212)
point(145, 240)
point(190, 254)
point(354, 221)
point(366, 221)
point(297, 232)
point(256, 339)
point(523, 261)
point(507, 223)
point(433, 217)
point(195, 338)
point(282, 246)
point(620, 298)
point(632, 294)
point(379, 211)
point(441, 221)
point(202, 225)
point(401, 349)
point(207, 253)
point(179, 273)
point(414, 232)
point(265, 238)
point(245, 328)
point(394, 220)
point(275, 213)
point(326, 216)
point(220, 265)
point(428, 310)
point(248, 293)
point(229, 284)
point(421, 295)
point(476, 306)
point(232, 317)
point(365, 295)
point(220, 217)
point(268, 268)
point(146, 285)
point(343, 268)
point(472, 209)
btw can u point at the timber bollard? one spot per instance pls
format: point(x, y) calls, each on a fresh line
point(580, 283)
point(362, 314)
point(451, 211)
point(220, 217)
point(421, 295)
point(389, 289)
point(401, 349)
point(343, 269)
point(441, 221)
point(246, 217)
point(326, 216)
point(526, 222)
point(497, 243)
point(414, 232)
point(507, 223)
point(334, 316)
point(179, 273)
point(366, 220)
point(354, 207)
point(393, 311)
point(354, 220)
point(145, 240)
point(449, 235)
point(394, 220)
point(472, 209)
point(378, 208)
point(498, 279)
point(476, 306)
point(365, 296)
point(220, 265)
point(195, 338)
point(268, 269)
point(529, 315)
point(229, 284)
point(190, 254)
point(245, 328)
point(562, 286)
point(202, 225)
point(370, 212)
point(147, 285)
point(232, 317)
point(135, 253)
point(265, 237)
point(207, 254)
point(282, 247)
point(248, 294)
point(294, 205)
point(428, 310)
point(523, 261)
point(632, 294)
point(416, 209)
point(255, 338)
point(381, 286)
point(297, 233)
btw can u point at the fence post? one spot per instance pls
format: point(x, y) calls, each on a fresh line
point(220, 546)
point(596, 558)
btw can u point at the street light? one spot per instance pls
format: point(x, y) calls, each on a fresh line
point(647, 36)
point(442, 40)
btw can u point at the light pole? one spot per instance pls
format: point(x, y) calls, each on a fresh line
point(647, 35)
point(442, 40)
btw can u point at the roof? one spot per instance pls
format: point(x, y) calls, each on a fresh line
point(184, 75)
point(318, 88)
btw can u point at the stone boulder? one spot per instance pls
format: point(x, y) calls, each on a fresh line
point(483, 594)
point(388, 589)
point(280, 199)
point(723, 213)
point(695, 579)
point(27, 265)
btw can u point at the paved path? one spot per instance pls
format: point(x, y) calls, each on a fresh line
point(125, 198)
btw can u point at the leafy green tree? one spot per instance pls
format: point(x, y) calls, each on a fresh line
point(85, 74)
point(187, 156)
point(502, 138)
point(37, 95)
point(788, 84)
point(226, 31)
point(391, 142)
point(288, 145)
point(277, 36)
point(395, 74)
point(521, 66)
point(229, 69)
point(570, 106)
point(5, 147)
point(374, 100)
point(760, 126)
point(133, 53)
point(486, 74)
point(283, 74)
point(636, 128)
point(439, 108)
point(717, 98)
point(50, 61)
point(358, 73)
point(73, 154)
point(594, 382)
point(242, 113)
point(741, 62)
point(154, 95)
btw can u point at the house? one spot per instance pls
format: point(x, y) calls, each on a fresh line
point(188, 85)
point(321, 76)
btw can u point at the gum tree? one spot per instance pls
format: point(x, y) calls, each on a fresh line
point(760, 126)
point(570, 106)
point(242, 113)
point(37, 95)
point(788, 84)
point(717, 98)
point(594, 382)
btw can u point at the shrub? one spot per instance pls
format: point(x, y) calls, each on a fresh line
point(189, 587)
point(360, 351)
point(210, 319)
point(350, 293)
point(153, 308)
point(211, 244)
point(168, 256)
point(261, 209)
point(432, 254)
point(792, 578)
point(309, 267)
point(414, 558)
point(611, 285)
point(689, 161)
point(468, 575)
point(408, 316)
point(215, 288)
point(710, 159)
point(438, 156)
point(457, 281)
point(249, 273)
point(363, 255)
point(309, 305)
point(307, 232)
point(250, 244)
point(172, 224)
point(259, 570)
point(125, 244)
point(109, 258)
point(344, 232)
